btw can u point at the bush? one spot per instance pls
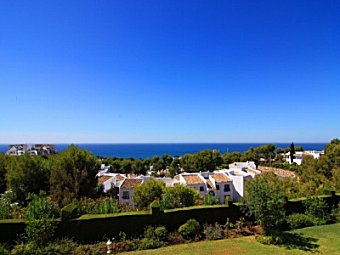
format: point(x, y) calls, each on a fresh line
point(40, 231)
point(211, 200)
point(149, 232)
point(161, 233)
point(147, 243)
point(129, 245)
point(93, 249)
point(176, 238)
point(213, 232)
point(40, 206)
point(106, 206)
point(228, 200)
point(158, 233)
point(264, 239)
point(60, 247)
point(316, 206)
point(3, 249)
point(5, 205)
point(299, 220)
point(190, 229)
point(26, 249)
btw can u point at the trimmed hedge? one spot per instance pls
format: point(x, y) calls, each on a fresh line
point(69, 212)
point(92, 228)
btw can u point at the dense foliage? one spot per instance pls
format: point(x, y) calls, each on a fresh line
point(265, 200)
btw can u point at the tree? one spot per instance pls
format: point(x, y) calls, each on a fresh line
point(40, 224)
point(265, 151)
point(231, 157)
point(292, 152)
point(73, 175)
point(167, 159)
point(265, 200)
point(174, 167)
point(332, 151)
point(3, 162)
point(147, 192)
point(178, 196)
point(206, 160)
point(27, 174)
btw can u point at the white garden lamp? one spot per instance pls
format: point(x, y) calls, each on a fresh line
point(109, 246)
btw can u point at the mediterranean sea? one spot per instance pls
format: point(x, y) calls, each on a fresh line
point(148, 150)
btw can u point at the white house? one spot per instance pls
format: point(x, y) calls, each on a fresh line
point(222, 186)
point(126, 190)
point(111, 180)
point(194, 180)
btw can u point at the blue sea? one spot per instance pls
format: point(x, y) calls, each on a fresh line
point(174, 149)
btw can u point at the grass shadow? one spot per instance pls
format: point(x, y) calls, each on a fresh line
point(300, 242)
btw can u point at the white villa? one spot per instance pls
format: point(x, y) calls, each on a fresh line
point(31, 149)
point(299, 156)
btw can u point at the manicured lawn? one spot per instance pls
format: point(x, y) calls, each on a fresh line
point(319, 240)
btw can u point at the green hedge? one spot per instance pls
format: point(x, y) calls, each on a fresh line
point(11, 230)
point(92, 228)
point(69, 212)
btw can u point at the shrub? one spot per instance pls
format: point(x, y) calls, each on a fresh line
point(147, 243)
point(213, 232)
point(3, 249)
point(161, 233)
point(5, 204)
point(93, 249)
point(109, 205)
point(299, 220)
point(179, 196)
point(264, 239)
point(176, 238)
point(316, 206)
point(158, 233)
point(40, 231)
point(228, 200)
point(190, 229)
point(149, 232)
point(129, 245)
point(211, 200)
point(40, 206)
point(60, 247)
point(26, 249)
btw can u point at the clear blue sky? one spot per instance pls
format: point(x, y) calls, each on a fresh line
point(169, 71)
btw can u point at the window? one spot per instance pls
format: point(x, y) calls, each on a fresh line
point(217, 187)
point(226, 187)
point(126, 195)
point(201, 188)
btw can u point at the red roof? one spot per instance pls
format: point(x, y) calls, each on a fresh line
point(221, 178)
point(130, 183)
point(193, 179)
point(103, 179)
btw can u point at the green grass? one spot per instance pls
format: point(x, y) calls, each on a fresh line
point(100, 216)
point(195, 207)
point(319, 240)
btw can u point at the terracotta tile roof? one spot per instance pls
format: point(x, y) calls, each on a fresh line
point(210, 184)
point(193, 179)
point(119, 177)
point(130, 183)
point(221, 178)
point(103, 179)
